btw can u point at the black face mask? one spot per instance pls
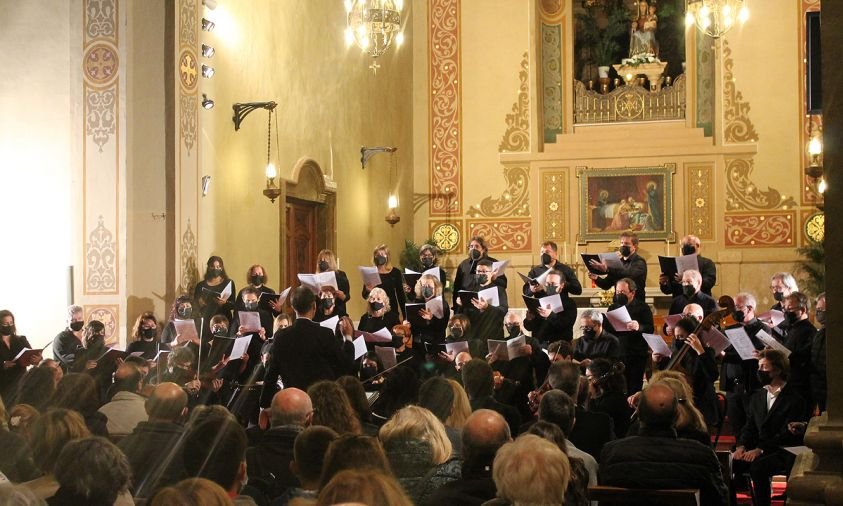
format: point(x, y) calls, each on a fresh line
point(427, 262)
point(482, 278)
point(688, 290)
point(427, 292)
point(76, 326)
point(215, 272)
point(791, 317)
point(820, 316)
point(380, 260)
point(5, 330)
point(185, 312)
point(147, 334)
point(765, 378)
point(546, 259)
point(258, 280)
point(687, 249)
point(625, 251)
point(368, 371)
point(514, 330)
point(327, 303)
point(551, 289)
point(323, 266)
point(456, 332)
point(778, 296)
point(251, 305)
point(220, 332)
point(474, 254)
point(620, 299)
point(738, 316)
point(377, 306)
point(589, 333)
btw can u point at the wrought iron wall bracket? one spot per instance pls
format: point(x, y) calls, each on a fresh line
point(243, 110)
point(367, 153)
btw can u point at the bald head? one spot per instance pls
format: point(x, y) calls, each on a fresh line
point(290, 406)
point(461, 359)
point(167, 403)
point(483, 433)
point(127, 378)
point(657, 408)
point(694, 309)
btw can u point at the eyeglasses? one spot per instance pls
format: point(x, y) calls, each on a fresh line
point(483, 272)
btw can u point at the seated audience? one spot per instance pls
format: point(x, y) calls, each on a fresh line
point(192, 492)
point(689, 422)
point(54, 366)
point(530, 470)
point(91, 471)
point(658, 459)
point(50, 434)
point(419, 451)
point(577, 491)
point(309, 452)
point(437, 396)
point(400, 388)
point(152, 448)
point(366, 486)
point(79, 392)
point(21, 418)
point(558, 408)
point(331, 408)
point(15, 456)
point(607, 392)
point(359, 403)
point(483, 434)
point(126, 408)
point(771, 426)
point(479, 383)
point(353, 451)
point(36, 388)
point(461, 409)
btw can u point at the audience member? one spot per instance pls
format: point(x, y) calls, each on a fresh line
point(126, 408)
point(21, 418)
point(353, 451)
point(15, 456)
point(689, 423)
point(359, 403)
point(479, 383)
point(366, 486)
point(309, 452)
point(437, 396)
point(50, 434)
point(461, 409)
point(656, 458)
point(534, 461)
point(79, 392)
point(36, 388)
point(419, 451)
point(91, 471)
point(577, 491)
point(331, 408)
point(215, 448)
point(54, 366)
point(192, 492)
point(558, 408)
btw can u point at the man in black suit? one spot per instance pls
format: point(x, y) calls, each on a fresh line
point(466, 275)
point(772, 425)
point(632, 266)
point(797, 332)
point(634, 348)
point(549, 261)
point(543, 323)
point(690, 245)
point(304, 352)
point(692, 294)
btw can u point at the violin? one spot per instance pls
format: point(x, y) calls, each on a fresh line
point(727, 305)
point(534, 398)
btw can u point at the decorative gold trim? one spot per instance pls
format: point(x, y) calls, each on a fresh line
point(188, 255)
point(759, 230)
point(738, 126)
point(109, 315)
point(514, 201)
point(554, 185)
point(517, 135)
point(743, 195)
point(700, 203)
point(511, 236)
point(814, 228)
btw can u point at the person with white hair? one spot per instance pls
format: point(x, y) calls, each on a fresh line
point(596, 342)
point(782, 284)
point(67, 343)
point(692, 294)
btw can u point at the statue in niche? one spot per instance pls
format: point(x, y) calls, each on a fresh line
point(642, 40)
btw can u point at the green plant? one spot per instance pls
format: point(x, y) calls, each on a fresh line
point(602, 43)
point(812, 268)
point(409, 257)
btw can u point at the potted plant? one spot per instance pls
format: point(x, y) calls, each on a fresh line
point(599, 31)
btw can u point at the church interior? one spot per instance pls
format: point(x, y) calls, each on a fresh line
point(139, 138)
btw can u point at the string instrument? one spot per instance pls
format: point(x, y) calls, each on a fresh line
point(616, 369)
point(727, 305)
point(534, 398)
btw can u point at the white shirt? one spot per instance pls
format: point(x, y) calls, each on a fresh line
point(772, 395)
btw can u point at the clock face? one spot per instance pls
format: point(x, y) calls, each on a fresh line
point(815, 228)
point(446, 237)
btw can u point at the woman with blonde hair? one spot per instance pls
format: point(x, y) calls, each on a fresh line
point(326, 261)
point(419, 451)
point(366, 486)
point(392, 282)
point(192, 492)
point(462, 406)
point(380, 315)
point(531, 470)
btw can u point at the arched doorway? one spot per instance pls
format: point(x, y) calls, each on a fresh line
point(308, 219)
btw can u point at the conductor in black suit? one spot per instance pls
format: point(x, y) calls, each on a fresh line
point(305, 352)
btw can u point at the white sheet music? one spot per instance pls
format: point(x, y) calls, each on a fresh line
point(741, 342)
point(241, 345)
point(185, 330)
point(687, 263)
point(456, 347)
point(435, 306)
point(612, 260)
point(500, 267)
point(370, 275)
point(330, 323)
point(619, 318)
point(490, 295)
point(657, 344)
point(359, 347)
point(226, 292)
point(250, 319)
point(770, 341)
point(552, 301)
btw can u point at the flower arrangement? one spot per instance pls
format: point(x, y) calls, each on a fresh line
point(639, 60)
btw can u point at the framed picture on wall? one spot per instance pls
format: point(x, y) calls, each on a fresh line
point(613, 200)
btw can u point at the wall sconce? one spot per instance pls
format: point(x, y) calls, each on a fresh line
point(272, 191)
point(206, 185)
point(241, 110)
point(207, 103)
point(208, 25)
point(814, 171)
point(392, 217)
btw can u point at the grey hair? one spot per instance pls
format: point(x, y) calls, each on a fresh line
point(73, 309)
point(749, 298)
point(788, 280)
point(593, 315)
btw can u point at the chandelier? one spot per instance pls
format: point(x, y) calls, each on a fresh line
point(715, 17)
point(373, 25)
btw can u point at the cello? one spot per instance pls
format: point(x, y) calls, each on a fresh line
point(727, 305)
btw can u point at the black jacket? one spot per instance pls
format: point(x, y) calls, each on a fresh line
point(155, 456)
point(631, 341)
point(464, 278)
point(10, 377)
point(592, 431)
point(270, 458)
point(708, 304)
point(557, 325)
point(605, 345)
point(768, 430)
point(65, 348)
point(572, 284)
point(701, 371)
point(738, 375)
point(798, 339)
point(303, 354)
point(634, 268)
point(657, 459)
point(709, 278)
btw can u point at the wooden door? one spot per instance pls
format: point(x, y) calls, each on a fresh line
point(302, 239)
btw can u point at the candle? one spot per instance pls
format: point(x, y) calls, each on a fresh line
point(565, 258)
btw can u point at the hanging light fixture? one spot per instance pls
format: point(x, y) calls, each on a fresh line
point(272, 191)
point(373, 25)
point(715, 17)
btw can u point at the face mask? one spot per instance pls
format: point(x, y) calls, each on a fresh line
point(687, 249)
point(368, 371)
point(625, 251)
point(551, 289)
point(76, 326)
point(377, 306)
point(474, 254)
point(251, 305)
point(5, 330)
point(514, 330)
point(765, 378)
point(220, 332)
point(456, 332)
point(258, 280)
point(185, 312)
point(482, 278)
point(427, 262)
point(791, 317)
point(427, 292)
point(323, 266)
point(216, 272)
point(820, 317)
point(380, 260)
point(546, 259)
point(589, 333)
point(327, 303)
point(738, 316)
point(688, 290)
point(147, 333)
point(620, 299)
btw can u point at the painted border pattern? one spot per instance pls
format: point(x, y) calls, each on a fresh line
point(760, 230)
point(554, 188)
point(700, 200)
point(511, 236)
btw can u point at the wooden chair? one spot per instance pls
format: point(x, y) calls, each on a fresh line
point(609, 496)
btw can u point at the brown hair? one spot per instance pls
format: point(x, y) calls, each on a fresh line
point(146, 315)
point(192, 492)
point(367, 486)
point(51, 432)
point(332, 408)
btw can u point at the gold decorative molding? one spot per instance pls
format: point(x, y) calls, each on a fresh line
point(760, 230)
point(738, 127)
point(517, 135)
point(554, 184)
point(514, 201)
point(810, 122)
point(447, 236)
point(700, 202)
point(109, 315)
point(813, 227)
point(629, 103)
point(188, 254)
point(511, 236)
point(744, 195)
point(445, 111)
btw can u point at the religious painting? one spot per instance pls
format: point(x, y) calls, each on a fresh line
point(638, 199)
